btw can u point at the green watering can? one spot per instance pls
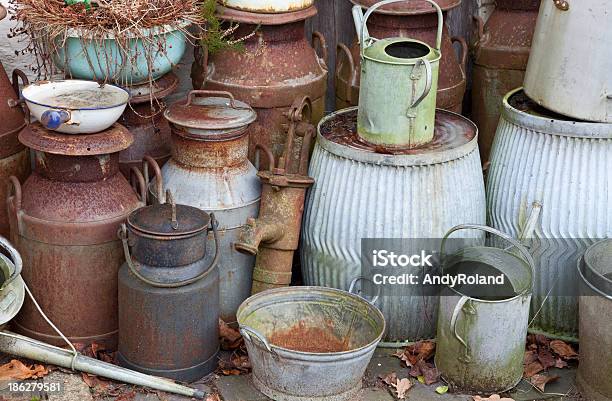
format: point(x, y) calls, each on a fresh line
point(399, 81)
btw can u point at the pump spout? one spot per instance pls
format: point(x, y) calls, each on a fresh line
point(257, 231)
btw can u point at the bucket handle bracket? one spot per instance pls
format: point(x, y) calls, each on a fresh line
point(358, 279)
point(247, 332)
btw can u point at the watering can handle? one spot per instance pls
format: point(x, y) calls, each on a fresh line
point(524, 252)
point(356, 280)
point(453, 323)
point(428, 80)
point(362, 20)
point(15, 257)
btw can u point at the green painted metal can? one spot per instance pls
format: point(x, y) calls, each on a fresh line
point(399, 80)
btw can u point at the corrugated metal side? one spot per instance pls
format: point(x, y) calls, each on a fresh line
point(351, 200)
point(571, 178)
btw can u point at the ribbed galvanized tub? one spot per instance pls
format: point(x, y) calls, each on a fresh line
point(565, 166)
point(595, 369)
point(362, 194)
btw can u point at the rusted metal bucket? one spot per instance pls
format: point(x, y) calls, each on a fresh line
point(417, 20)
point(595, 369)
point(144, 118)
point(169, 293)
point(501, 51)
point(275, 234)
point(278, 65)
point(309, 343)
point(482, 329)
point(64, 222)
point(209, 170)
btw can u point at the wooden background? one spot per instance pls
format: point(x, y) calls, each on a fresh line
point(335, 21)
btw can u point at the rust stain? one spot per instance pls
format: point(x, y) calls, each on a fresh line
point(309, 338)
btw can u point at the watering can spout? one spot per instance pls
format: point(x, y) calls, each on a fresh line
point(359, 25)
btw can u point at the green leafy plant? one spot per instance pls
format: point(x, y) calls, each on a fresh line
point(217, 36)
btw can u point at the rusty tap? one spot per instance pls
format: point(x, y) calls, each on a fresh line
point(274, 235)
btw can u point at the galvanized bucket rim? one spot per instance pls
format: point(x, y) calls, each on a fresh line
point(549, 126)
point(581, 264)
point(316, 356)
point(585, 263)
point(368, 157)
point(437, 55)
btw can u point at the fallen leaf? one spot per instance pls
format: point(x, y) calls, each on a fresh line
point(213, 397)
point(560, 363)
point(389, 379)
point(421, 379)
point(229, 337)
point(532, 369)
point(95, 382)
point(426, 370)
point(546, 358)
point(530, 357)
point(442, 389)
point(17, 370)
point(419, 351)
point(493, 397)
point(128, 396)
point(540, 381)
point(563, 349)
point(402, 387)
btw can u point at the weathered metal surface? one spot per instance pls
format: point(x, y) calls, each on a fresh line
point(341, 207)
point(480, 344)
point(452, 81)
point(12, 115)
point(12, 288)
point(501, 52)
point(414, 7)
point(278, 65)
point(399, 80)
point(209, 169)
point(274, 235)
point(563, 165)
point(165, 282)
point(18, 165)
point(64, 222)
point(594, 370)
point(144, 118)
point(269, 6)
point(553, 79)
point(324, 371)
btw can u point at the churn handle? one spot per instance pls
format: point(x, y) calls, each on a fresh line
point(247, 331)
point(141, 188)
point(342, 49)
point(376, 6)
point(149, 161)
point(356, 280)
point(453, 323)
point(524, 252)
point(266, 150)
point(226, 94)
point(14, 189)
point(15, 258)
point(319, 37)
point(18, 74)
point(464, 53)
point(415, 75)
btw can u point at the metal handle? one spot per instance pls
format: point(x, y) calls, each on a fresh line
point(123, 235)
point(170, 199)
point(524, 252)
point(342, 49)
point(356, 280)
point(269, 156)
point(464, 54)
point(247, 331)
point(562, 5)
point(226, 94)
point(52, 119)
point(149, 161)
point(416, 76)
point(138, 184)
point(16, 76)
point(15, 258)
point(364, 31)
point(300, 111)
point(454, 320)
point(480, 25)
point(320, 38)
point(14, 190)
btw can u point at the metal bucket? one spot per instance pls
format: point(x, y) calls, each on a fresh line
point(399, 80)
point(12, 286)
point(565, 166)
point(595, 369)
point(571, 59)
point(481, 338)
point(329, 370)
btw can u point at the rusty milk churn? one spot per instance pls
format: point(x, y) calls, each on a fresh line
point(144, 117)
point(64, 222)
point(169, 292)
point(595, 370)
point(14, 157)
point(482, 328)
point(408, 19)
point(411, 193)
point(570, 32)
point(209, 169)
point(278, 66)
point(500, 52)
point(564, 166)
point(274, 235)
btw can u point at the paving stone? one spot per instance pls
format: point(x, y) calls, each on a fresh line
point(75, 388)
point(238, 388)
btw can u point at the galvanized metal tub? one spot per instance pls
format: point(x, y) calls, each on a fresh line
point(565, 166)
point(481, 338)
point(571, 57)
point(595, 369)
point(359, 193)
point(284, 374)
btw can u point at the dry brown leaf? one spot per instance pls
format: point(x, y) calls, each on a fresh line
point(389, 379)
point(530, 357)
point(230, 338)
point(213, 397)
point(402, 387)
point(128, 396)
point(540, 381)
point(493, 397)
point(563, 349)
point(16, 370)
point(560, 363)
point(532, 369)
point(427, 370)
point(95, 382)
point(546, 358)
